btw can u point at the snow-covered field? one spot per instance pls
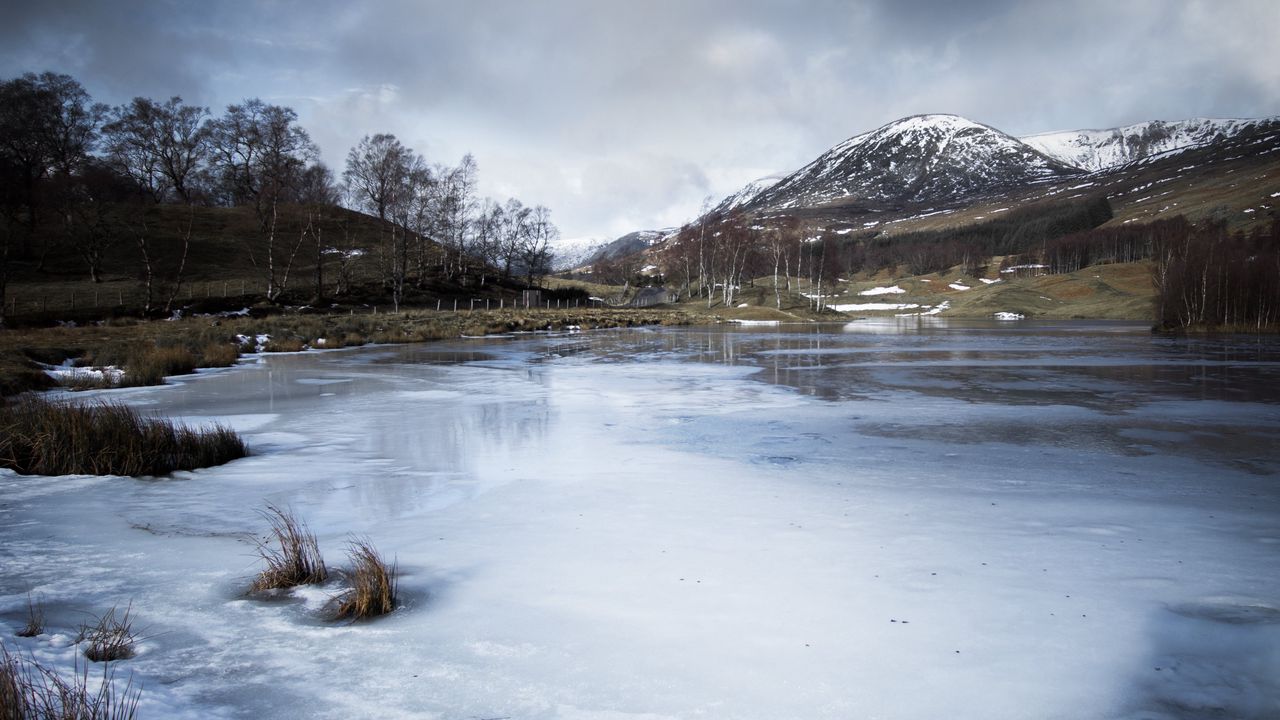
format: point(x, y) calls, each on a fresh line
point(902, 518)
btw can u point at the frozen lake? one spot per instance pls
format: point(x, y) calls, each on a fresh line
point(915, 519)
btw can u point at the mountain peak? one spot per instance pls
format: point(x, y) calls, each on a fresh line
point(937, 157)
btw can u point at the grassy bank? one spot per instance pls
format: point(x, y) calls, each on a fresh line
point(42, 437)
point(147, 351)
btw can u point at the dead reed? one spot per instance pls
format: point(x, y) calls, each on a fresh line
point(290, 551)
point(35, 620)
point(108, 637)
point(151, 367)
point(373, 583)
point(44, 437)
point(31, 691)
point(219, 354)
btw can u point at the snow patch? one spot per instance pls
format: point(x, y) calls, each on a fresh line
point(855, 307)
point(893, 290)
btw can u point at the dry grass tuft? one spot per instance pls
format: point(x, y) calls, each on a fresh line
point(294, 556)
point(151, 367)
point(219, 354)
point(35, 620)
point(373, 583)
point(31, 691)
point(43, 437)
point(109, 637)
point(288, 344)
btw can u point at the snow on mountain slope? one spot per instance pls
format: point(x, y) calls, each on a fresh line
point(569, 253)
point(749, 192)
point(1096, 150)
point(923, 158)
point(630, 244)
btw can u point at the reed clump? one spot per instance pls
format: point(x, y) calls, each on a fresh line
point(373, 584)
point(290, 551)
point(32, 691)
point(219, 354)
point(49, 437)
point(151, 367)
point(109, 637)
point(35, 620)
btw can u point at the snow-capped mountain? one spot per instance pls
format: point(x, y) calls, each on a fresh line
point(630, 244)
point(923, 158)
point(1096, 150)
point(569, 253)
point(749, 192)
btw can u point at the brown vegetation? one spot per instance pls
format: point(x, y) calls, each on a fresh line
point(108, 637)
point(294, 556)
point(43, 437)
point(35, 620)
point(373, 584)
point(31, 691)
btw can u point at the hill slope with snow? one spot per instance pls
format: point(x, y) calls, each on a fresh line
point(1096, 150)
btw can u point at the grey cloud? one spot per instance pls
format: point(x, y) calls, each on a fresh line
point(600, 109)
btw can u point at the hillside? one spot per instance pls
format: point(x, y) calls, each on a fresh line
point(938, 193)
point(228, 263)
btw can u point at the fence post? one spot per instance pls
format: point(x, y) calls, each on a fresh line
point(437, 304)
point(486, 303)
point(455, 304)
point(119, 297)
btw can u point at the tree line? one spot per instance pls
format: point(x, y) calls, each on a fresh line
point(716, 254)
point(1207, 277)
point(1203, 275)
point(76, 175)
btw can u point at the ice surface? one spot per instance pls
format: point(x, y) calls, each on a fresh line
point(899, 518)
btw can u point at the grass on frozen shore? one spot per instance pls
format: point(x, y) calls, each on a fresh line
point(51, 437)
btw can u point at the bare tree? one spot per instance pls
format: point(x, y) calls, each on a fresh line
point(317, 195)
point(535, 252)
point(159, 145)
point(375, 171)
point(512, 235)
point(260, 156)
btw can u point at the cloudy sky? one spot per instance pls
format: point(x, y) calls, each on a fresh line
point(623, 115)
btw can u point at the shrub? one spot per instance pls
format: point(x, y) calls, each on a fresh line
point(42, 437)
point(373, 584)
point(294, 559)
point(108, 637)
point(31, 691)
